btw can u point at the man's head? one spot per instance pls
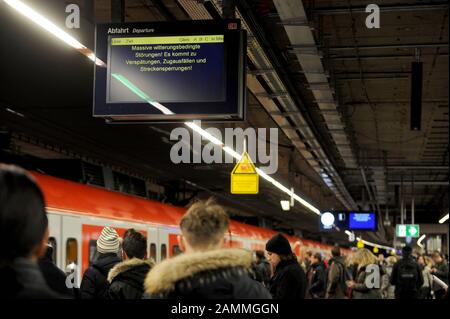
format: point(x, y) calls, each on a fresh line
point(308, 255)
point(406, 251)
point(336, 251)
point(316, 258)
point(23, 220)
point(381, 258)
point(437, 257)
point(278, 248)
point(134, 245)
point(203, 226)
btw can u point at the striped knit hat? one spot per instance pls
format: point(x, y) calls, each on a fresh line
point(108, 242)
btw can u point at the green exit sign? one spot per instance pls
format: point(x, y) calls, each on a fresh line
point(407, 230)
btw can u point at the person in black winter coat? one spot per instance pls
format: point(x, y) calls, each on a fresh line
point(55, 277)
point(289, 279)
point(406, 276)
point(127, 278)
point(94, 284)
point(316, 277)
point(24, 236)
point(205, 270)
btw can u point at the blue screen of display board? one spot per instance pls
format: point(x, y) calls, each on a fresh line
point(362, 221)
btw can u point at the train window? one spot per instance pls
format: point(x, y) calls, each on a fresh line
point(92, 250)
point(52, 242)
point(153, 251)
point(176, 250)
point(163, 252)
point(71, 251)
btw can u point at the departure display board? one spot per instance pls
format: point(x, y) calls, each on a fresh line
point(170, 71)
point(348, 220)
point(362, 221)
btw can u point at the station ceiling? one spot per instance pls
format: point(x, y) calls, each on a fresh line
point(49, 86)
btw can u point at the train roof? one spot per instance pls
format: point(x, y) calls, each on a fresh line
point(99, 202)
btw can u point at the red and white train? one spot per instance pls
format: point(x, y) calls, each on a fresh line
point(77, 213)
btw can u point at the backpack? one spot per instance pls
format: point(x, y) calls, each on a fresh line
point(345, 276)
point(407, 276)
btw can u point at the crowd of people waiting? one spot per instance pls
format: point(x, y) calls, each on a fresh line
point(205, 269)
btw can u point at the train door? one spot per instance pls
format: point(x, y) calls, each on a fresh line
point(163, 241)
point(54, 238)
point(71, 245)
point(152, 241)
point(168, 243)
point(174, 246)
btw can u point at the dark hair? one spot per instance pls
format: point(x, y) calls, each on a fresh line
point(134, 244)
point(260, 254)
point(287, 257)
point(318, 256)
point(23, 220)
point(309, 253)
point(336, 251)
point(406, 251)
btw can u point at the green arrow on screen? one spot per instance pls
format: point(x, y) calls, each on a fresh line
point(413, 230)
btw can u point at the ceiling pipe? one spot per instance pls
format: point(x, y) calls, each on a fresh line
point(401, 201)
point(374, 204)
point(385, 8)
point(389, 46)
point(412, 200)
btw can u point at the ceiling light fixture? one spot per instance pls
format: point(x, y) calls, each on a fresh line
point(285, 205)
point(419, 241)
point(443, 219)
point(43, 22)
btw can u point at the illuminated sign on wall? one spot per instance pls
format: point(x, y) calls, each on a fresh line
point(348, 220)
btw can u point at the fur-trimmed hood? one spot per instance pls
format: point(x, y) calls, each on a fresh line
point(164, 276)
point(128, 265)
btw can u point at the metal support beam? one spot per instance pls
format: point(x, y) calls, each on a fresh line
point(424, 183)
point(401, 201)
point(90, 10)
point(412, 200)
point(118, 10)
point(300, 22)
point(229, 9)
point(385, 8)
point(389, 46)
point(443, 168)
point(273, 95)
point(286, 113)
point(261, 71)
point(393, 77)
point(380, 57)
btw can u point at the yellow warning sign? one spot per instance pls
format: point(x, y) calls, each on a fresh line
point(244, 178)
